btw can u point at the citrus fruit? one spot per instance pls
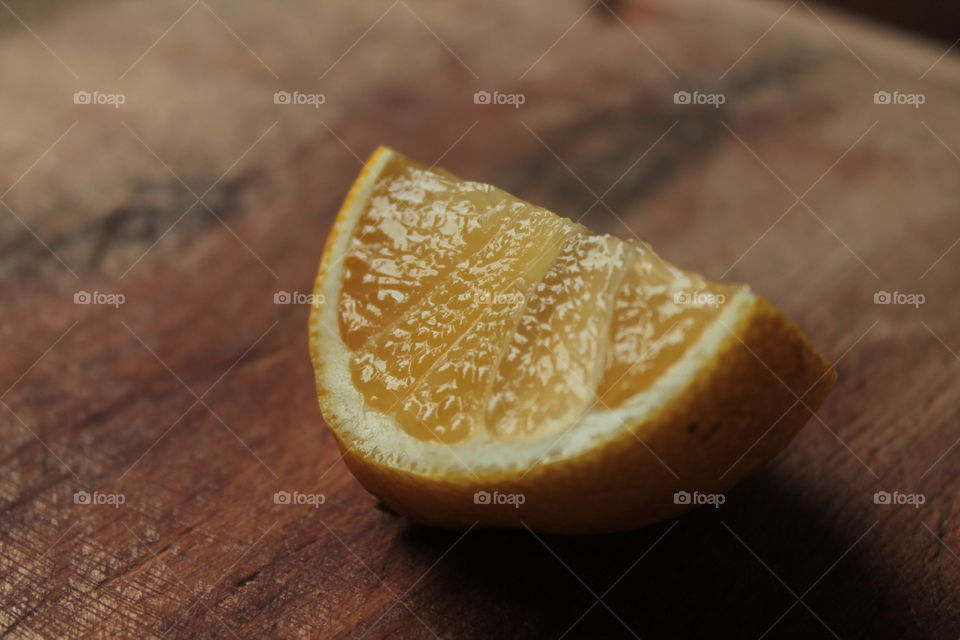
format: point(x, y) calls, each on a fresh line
point(483, 361)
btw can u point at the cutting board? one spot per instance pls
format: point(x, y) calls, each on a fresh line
point(169, 174)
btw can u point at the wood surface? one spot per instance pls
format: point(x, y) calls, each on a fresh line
point(199, 199)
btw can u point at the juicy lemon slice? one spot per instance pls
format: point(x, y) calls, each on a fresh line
point(484, 361)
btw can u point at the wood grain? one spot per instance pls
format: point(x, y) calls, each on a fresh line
point(199, 199)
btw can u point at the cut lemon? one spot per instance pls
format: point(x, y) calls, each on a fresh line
point(484, 361)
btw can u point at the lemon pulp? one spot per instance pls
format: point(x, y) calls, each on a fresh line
point(468, 311)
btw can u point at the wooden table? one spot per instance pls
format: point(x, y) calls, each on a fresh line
point(191, 398)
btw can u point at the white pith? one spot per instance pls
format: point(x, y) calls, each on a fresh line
point(376, 435)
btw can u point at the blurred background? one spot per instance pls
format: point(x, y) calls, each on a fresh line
point(937, 19)
point(934, 18)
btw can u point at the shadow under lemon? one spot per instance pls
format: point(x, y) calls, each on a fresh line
point(693, 577)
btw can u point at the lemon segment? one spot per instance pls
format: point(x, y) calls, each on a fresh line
point(471, 343)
